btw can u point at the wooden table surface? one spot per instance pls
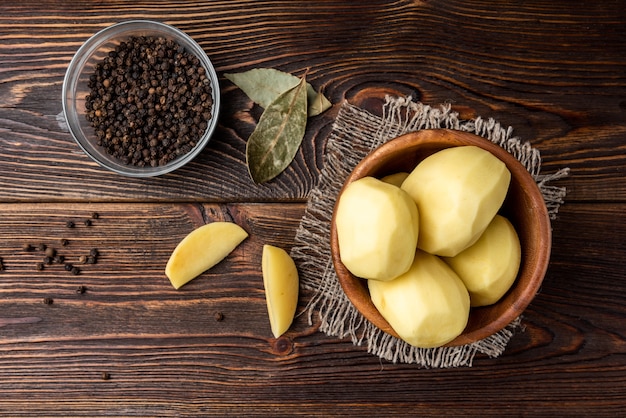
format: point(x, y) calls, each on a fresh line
point(131, 345)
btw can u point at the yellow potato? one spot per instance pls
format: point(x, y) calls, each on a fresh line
point(377, 229)
point(201, 249)
point(458, 191)
point(428, 306)
point(280, 279)
point(396, 178)
point(489, 267)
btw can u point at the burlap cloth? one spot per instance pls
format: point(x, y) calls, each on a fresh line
point(355, 133)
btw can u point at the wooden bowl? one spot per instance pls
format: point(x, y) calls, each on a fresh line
point(524, 207)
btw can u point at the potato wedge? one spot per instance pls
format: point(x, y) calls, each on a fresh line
point(281, 282)
point(201, 249)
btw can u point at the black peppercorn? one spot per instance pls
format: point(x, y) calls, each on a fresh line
point(41, 247)
point(95, 215)
point(75, 270)
point(68, 267)
point(69, 224)
point(28, 247)
point(48, 301)
point(64, 242)
point(157, 86)
point(93, 252)
point(81, 289)
point(87, 222)
point(39, 266)
point(218, 316)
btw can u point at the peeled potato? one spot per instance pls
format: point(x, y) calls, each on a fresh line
point(203, 248)
point(280, 279)
point(428, 306)
point(458, 191)
point(377, 229)
point(396, 178)
point(489, 267)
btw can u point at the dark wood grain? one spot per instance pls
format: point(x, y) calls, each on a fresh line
point(554, 71)
point(166, 354)
point(556, 74)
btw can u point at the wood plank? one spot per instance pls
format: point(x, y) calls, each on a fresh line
point(167, 355)
point(554, 73)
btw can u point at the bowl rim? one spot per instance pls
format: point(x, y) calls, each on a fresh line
point(77, 65)
point(353, 286)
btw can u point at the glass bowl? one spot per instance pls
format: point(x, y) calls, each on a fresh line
point(75, 90)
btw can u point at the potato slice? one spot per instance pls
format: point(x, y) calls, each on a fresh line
point(280, 279)
point(428, 306)
point(458, 191)
point(377, 229)
point(489, 267)
point(203, 248)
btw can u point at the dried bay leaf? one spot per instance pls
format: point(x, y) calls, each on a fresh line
point(264, 85)
point(317, 104)
point(278, 135)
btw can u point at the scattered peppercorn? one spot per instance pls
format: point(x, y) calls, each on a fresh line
point(51, 255)
point(105, 376)
point(218, 316)
point(48, 301)
point(1, 264)
point(149, 101)
point(81, 289)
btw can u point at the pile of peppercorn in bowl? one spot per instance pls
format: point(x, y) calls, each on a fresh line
point(141, 98)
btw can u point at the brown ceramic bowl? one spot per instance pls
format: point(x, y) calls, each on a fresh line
point(524, 207)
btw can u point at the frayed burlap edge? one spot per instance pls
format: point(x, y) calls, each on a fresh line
point(355, 134)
